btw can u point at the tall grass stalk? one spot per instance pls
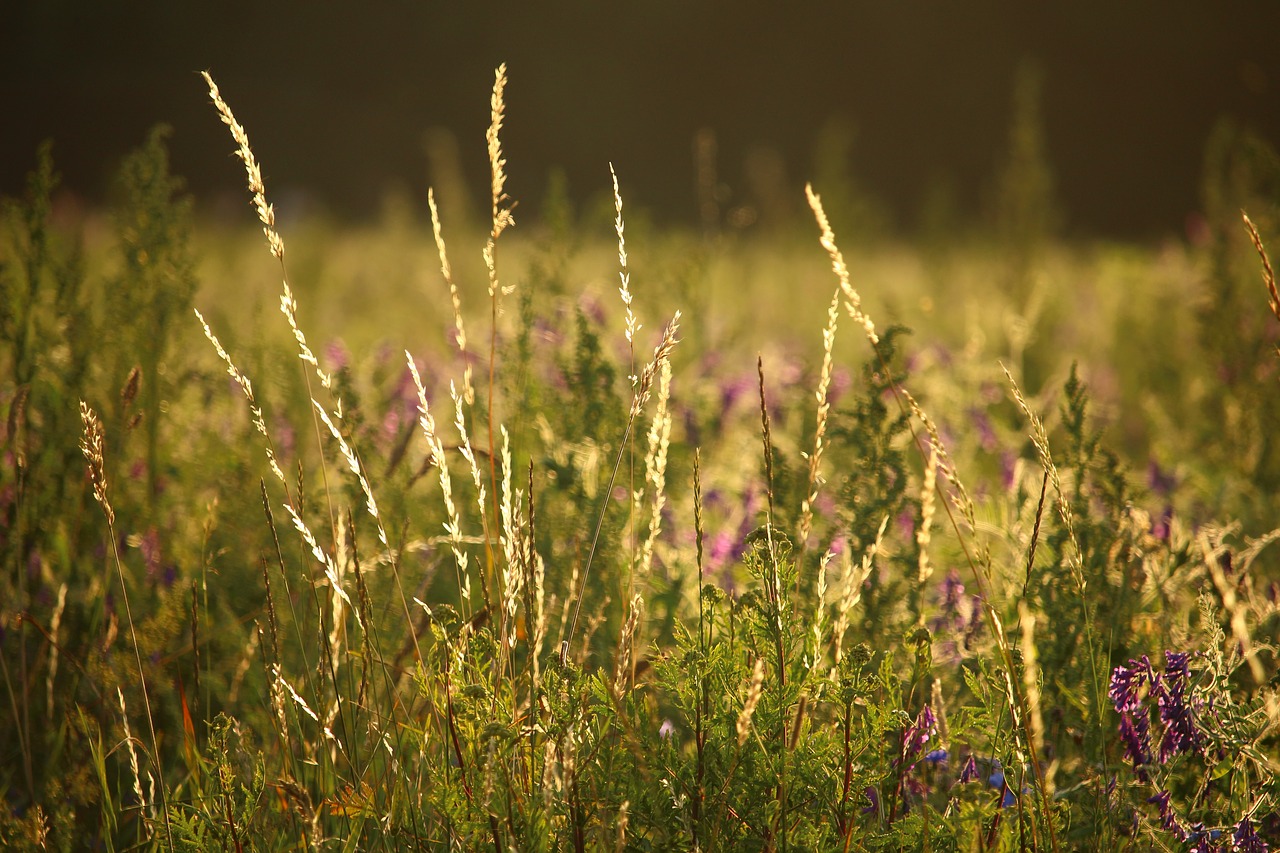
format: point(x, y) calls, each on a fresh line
point(92, 446)
point(853, 305)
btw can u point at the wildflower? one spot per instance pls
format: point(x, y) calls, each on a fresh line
point(969, 772)
point(1161, 527)
point(1245, 838)
point(734, 389)
point(873, 800)
point(1127, 683)
point(918, 734)
point(666, 730)
point(1176, 713)
point(907, 524)
point(986, 432)
point(996, 779)
point(337, 356)
point(1135, 732)
point(1009, 469)
point(1160, 481)
point(937, 756)
point(1168, 819)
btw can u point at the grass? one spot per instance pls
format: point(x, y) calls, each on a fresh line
point(672, 542)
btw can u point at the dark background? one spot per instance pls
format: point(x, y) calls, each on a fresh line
point(337, 97)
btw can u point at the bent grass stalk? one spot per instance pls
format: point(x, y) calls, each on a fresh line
point(92, 448)
point(820, 430)
point(956, 493)
point(501, 219)
point(661, 354)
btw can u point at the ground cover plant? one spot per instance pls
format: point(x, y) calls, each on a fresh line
point(605, 539)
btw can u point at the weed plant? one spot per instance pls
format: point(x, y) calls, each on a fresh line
point(561, 583)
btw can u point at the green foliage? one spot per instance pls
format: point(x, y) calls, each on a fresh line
point(339, 658)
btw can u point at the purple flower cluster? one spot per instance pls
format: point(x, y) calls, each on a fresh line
point(958, 621)
point(919, 733)
point(1132, 688)
point(1200, 838)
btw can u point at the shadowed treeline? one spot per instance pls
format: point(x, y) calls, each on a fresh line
point(913, 100)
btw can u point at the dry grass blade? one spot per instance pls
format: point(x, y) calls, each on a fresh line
point(92, 447)
point(820, 430)
point(1268, 275)
point(853, 301)
point(661, 354)
point(266, 213)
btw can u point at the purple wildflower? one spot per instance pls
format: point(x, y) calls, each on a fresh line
point(734, 389)
point(336, 354)
point(841, 382)
point(1180, 733)
point(1008, 469)
point(1136, 734)
point(907, 524)
point(937, 756)
point(918, 734)
point(1160, 481)
point(873, 800)
point(969, 772)
point(986, 432)
point(1247, 839)
point(1009, 798)
point(1162, 526)
point(666, 730)
point(1127, 683)
point(1168, 819)
point(149, 545)
point(996, 779)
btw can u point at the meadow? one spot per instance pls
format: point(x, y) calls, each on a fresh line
point(584, 533)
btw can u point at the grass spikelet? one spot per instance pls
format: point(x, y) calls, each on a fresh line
point(925, 531)
point(820, 428)
point(655, 464)
point(941, 460)
point(435, 447)
point(853, 301)
point(92, 447)
point(330, 570)
point(266, 213)
point(661, 354)
point(133, 755)
point(356, 468)
point(289, 308)
point(498, 162)
point(624, 274)
point(246, 387)
point(851, 593)
point(1031, 678)
point(1268, 275)
point(55, 622)
point(1040, 439)
point(293, 694)
point(460, 331)
point(510, 536)
point(754, 691)
point(626, 640)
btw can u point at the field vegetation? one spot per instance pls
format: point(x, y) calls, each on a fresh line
point(588, 534)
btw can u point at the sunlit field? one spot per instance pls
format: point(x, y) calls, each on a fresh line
point(527, 525)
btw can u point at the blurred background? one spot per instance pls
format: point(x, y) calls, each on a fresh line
point(911, 107)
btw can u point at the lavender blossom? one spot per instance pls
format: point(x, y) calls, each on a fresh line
point(1127, 683)
point(918, 733)
point(1247, 839)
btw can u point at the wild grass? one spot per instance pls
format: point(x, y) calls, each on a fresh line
point(684, 564)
